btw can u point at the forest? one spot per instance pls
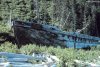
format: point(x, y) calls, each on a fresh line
point(81, 16)
point(70, 15)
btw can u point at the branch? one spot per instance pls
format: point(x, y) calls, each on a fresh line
point(93, 1)
point(67, 17)
point(83, 28)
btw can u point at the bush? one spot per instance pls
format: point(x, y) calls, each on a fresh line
point(9, 47)
point(66, 55)
point(4, 28)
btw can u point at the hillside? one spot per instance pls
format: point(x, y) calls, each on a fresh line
point(70, 15)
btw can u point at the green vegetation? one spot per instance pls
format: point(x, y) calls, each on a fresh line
point(67, 14)
point(66, 55)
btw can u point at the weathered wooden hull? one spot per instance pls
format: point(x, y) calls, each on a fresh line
point(35, 33)
point(26, 32)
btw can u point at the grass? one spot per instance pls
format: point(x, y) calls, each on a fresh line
point(66, 55)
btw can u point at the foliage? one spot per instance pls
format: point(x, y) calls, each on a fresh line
point(55, 11)
point(29, 49)
point(4, 28)
point(66, 55)
point(9, 47)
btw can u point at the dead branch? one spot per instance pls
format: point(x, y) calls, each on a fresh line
point(83, 28)
point(67, 17)
point(93, 1)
